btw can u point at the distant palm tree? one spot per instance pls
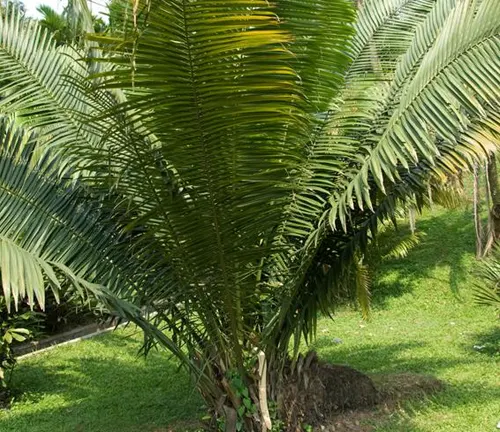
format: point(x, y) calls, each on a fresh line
point(57, 24)
point(69, 27)
point(12, 4)
point(229, 162)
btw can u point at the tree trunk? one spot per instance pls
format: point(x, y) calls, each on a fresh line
point(492, 204)
point(412, 218)
point(494, 212)
point(305, 391)
point(429, 195)
point(477, 208)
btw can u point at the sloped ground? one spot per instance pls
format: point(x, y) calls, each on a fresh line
point(424, 324)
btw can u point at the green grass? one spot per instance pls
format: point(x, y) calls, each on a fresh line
point(101, 385)
point(424, 321)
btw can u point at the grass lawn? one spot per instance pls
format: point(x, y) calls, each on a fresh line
point(424, 321)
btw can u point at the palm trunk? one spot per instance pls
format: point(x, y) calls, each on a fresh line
point(492, 204)
point(412, 218)
point(304, 391)
point(492, 178)
point(477, 209)
point(429, 195)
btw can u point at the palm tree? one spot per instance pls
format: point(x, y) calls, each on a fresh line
point(10, 4)
point(237, 157)
point(55, 23)
point(71, 25)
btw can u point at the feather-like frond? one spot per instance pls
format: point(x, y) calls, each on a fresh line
point(49, 229)
point(487, 290)
point(450, 87)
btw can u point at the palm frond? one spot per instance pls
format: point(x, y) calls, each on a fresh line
point(225, 102)
point(45, 86)
point(49, 230)
point(334, 148)
point(448, 195)
point(52, 231)
point(338, 142)
point(384, 30)
point(322, 33)
point(351, 129)
point(438, 102)
point(48, 91)
point(404, 246)
point(363, 283)
point(487, 289)
point(80, 16)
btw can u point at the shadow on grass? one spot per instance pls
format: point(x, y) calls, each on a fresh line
point(454, 397)
point(391, 358)
point(388, 361)
point(451, 398)
point(92, 393)
point(487, 343)
point(128, 337)
point(449, 241)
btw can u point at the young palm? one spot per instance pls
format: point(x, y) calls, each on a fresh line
point(246, 152)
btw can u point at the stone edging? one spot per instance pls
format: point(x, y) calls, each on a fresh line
point(30, 349)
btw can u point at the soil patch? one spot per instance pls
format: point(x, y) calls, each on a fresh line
point(393, 390)
point(336, 398)
point(315, 391)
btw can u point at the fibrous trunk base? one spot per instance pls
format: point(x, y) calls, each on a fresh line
point(307, 391)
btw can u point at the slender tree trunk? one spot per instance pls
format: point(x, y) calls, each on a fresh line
point(492, 178)
point(490, 228)
point(412, 219)
point(429, 195)
point(492, 204)
point(477, 219)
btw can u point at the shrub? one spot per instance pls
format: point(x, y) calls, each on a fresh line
point(14, 328)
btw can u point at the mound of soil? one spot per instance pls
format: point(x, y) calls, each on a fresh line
point(393, 390)
point(341, 399)
point(315, 391)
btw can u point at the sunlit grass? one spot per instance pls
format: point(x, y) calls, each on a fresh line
point(101, 385)
point(425, 321)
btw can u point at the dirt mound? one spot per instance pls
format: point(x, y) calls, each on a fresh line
point(341, 399)
point(393, 390)
point(315, 391)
